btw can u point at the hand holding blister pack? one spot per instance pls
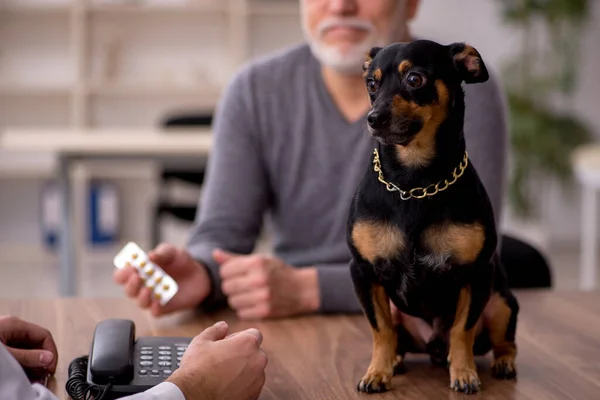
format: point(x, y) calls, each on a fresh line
point(163, 286)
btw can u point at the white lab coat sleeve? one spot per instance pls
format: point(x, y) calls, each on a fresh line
point(14, 384)
point(162, 391)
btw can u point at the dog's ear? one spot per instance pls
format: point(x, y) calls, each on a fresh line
point(369, 59)
point(468, 63)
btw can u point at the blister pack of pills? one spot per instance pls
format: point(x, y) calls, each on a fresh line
point(163, 286)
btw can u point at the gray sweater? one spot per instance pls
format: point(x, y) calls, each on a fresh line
point(283, 150)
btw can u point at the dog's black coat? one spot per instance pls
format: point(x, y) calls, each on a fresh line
point(420, 283)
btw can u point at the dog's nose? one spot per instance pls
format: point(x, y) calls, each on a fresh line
point(376, 119)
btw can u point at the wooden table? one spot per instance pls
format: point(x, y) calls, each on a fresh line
point(322, 358)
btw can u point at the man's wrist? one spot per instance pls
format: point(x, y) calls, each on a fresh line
point(309, 289)
point(180, 381)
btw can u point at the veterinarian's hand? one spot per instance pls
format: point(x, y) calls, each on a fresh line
point(260, 286)
point(30, 344)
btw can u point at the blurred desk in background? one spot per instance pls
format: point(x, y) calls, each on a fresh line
point(72, 145)
point(586, 165)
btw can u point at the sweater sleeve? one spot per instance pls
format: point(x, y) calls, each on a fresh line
point(235, 192)
point(336, 289)
point(486, 134)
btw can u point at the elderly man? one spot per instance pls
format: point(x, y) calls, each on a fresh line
point(291, 141)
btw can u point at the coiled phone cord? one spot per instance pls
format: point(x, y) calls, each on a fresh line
point(77, 388)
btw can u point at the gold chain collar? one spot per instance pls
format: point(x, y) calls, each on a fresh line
point(424, 192)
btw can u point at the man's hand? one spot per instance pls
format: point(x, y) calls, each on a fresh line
point(260, 287)
point(30, 344)
point(191, 276)
point(218, 367)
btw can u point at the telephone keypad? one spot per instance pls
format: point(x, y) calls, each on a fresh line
point(155, 363)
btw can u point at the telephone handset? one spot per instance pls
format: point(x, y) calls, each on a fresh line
point(119, 365)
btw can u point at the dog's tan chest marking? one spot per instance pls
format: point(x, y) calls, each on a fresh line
point(462, 243)
point(420, 151)
point(375, 240)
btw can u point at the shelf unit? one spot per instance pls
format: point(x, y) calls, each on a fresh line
point(87, 64)
point(90, 35)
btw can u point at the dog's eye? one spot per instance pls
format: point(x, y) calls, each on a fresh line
point(372, 86)
point(415, 79)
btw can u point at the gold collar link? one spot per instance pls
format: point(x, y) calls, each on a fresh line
point(419, 192)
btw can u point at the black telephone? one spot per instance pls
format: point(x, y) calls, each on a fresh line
point(119, 365)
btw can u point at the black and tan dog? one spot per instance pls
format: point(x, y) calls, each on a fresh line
point(421, 226)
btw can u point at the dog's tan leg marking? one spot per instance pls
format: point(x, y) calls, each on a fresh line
point(463, 373)
point(461, 242)
point(420, 151)
point(497, 316)
point(375, 240)
point(384, 359)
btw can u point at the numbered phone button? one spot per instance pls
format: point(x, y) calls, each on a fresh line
point(167, 372)
point(164, 353)
point(145, 363)
point(181, 348)
point(164, 347)
point(146, 348)
point(143, 372)
point(146, 352)
point(145, 357)
point(164, 363)
point(154, 372)
point(164, 358)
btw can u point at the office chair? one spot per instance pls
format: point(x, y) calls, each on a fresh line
point(194, 176)
point(526, 267)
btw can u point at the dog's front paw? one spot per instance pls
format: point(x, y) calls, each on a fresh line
point(464, 379)
point(504, 368)
point(375, 381)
